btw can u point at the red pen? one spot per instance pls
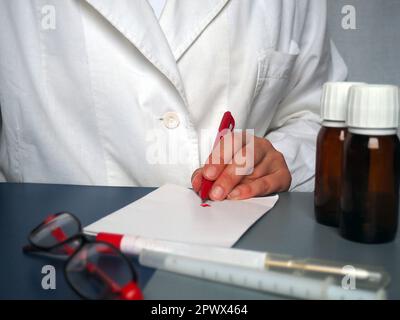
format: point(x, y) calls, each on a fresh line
point(227, 123)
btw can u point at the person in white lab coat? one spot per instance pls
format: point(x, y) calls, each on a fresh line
point(101, 92)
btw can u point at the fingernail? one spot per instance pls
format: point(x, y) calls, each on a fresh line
point(211, 172)
point(234, 194)
point(217, 192)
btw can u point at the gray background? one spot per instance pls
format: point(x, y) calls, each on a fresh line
point(372, 51)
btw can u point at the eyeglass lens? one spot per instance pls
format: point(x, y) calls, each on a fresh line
point(57, 229)
point(98, 271)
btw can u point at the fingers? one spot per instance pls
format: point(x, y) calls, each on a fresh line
point(225, 183)
point(234, 173)
point(278, 181)
point(242, 170)
point(270, 175)
point(272, 161)
point(223, 154)
point(196, 179)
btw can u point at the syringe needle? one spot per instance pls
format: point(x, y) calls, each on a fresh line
point(300, 265)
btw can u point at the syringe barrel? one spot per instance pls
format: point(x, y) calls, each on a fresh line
point(132, 245)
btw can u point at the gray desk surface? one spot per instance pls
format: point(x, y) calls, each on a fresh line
point(289, 228)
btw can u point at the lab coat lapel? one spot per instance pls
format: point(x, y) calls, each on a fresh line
point(137, 22)
point(184, 20)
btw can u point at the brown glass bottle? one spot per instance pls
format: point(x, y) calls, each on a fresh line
point(328, 174)
point(370, 191)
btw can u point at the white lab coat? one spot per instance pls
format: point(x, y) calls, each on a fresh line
point(86, 98)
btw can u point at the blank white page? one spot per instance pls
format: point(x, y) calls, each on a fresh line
point(174, 213)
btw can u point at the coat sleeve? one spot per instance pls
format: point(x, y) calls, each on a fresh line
point(295, 126)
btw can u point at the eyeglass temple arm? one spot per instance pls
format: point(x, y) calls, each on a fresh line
point(29, 249)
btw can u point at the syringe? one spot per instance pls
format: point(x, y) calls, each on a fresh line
point(287, 284)
point(133, 245)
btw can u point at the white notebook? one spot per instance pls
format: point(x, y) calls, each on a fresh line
point(174, 213)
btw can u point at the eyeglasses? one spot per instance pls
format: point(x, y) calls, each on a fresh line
point(94, 270)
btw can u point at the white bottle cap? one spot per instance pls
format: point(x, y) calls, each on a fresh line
point(334, 103)
point(373, 109)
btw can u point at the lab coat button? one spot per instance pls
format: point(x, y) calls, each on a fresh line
point(171, 120)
